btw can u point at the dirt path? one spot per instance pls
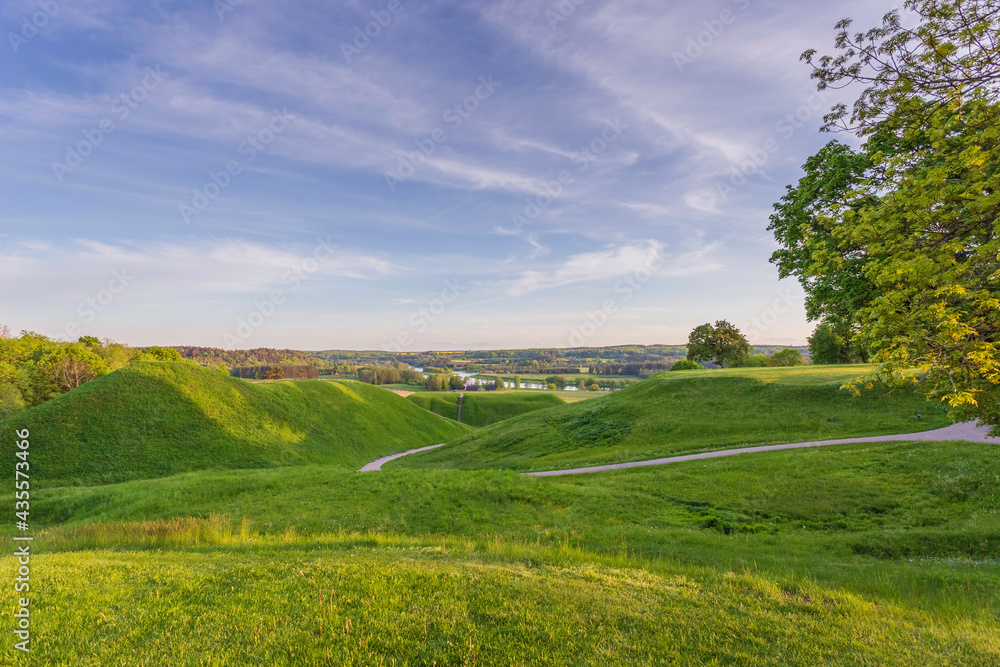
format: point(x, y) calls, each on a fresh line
point(966, 431)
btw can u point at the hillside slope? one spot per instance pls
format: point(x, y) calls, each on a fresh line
point(153, 419)
point(686, 412)
point(483, 409)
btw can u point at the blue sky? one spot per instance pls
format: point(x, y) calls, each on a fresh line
point(403, 174)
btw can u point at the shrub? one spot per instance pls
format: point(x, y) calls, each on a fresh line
point(686, 365)
point(787, 357)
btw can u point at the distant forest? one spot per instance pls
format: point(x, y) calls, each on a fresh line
point(624, 360)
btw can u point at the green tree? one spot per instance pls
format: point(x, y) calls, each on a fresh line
point(72, 365)
point(11, 401)
point(832, 343)
point(806, 223)
point(787, 357)
point(157, 353)
point(273, 373)
point(923, 215)
point(722, 343)
point(517, 382)
point(222, 369)
point(757, 361)
point(686, 365)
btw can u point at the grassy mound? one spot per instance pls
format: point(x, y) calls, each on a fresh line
point(153, 419)
point(691, 411)
point(757, 560)
point(483, 409)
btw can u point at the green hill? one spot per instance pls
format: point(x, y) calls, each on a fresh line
point(483, 409)
point(686, 412)
point(851, 555)
point(153, 419)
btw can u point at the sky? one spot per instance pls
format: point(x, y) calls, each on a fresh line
point(404, 175)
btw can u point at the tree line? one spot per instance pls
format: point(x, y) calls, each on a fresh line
point(275, 372)
point(34, 368)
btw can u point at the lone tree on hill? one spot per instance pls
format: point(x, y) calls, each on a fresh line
point(722, 343)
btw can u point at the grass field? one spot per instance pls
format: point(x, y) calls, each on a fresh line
point(686, 412)
point(153, 419)
point(874, 555)
point(484, 408)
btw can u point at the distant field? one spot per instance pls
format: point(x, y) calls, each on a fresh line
point(153, 419)
point(861, 554)
point(484, 408)
point(689, 411)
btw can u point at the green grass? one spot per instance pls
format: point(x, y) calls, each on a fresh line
point(484, 408)
point(153, 419)
point(686, 412)
point(416, 388)
point(868, 554)
point(763, 559)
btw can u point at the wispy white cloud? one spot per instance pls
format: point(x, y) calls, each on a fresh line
point(195, 269)
point(611, 262)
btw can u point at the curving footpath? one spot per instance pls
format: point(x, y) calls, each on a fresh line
point(968, 431)
point(376, 465)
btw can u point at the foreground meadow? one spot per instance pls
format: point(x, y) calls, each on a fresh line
point(852, 555)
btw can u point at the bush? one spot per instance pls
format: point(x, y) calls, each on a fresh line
point(686, 365)
point(787, 357)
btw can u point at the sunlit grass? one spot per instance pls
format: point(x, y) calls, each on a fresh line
point(690, 411)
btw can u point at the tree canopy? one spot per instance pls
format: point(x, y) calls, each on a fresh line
point(721, 343)
point(898, 244)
